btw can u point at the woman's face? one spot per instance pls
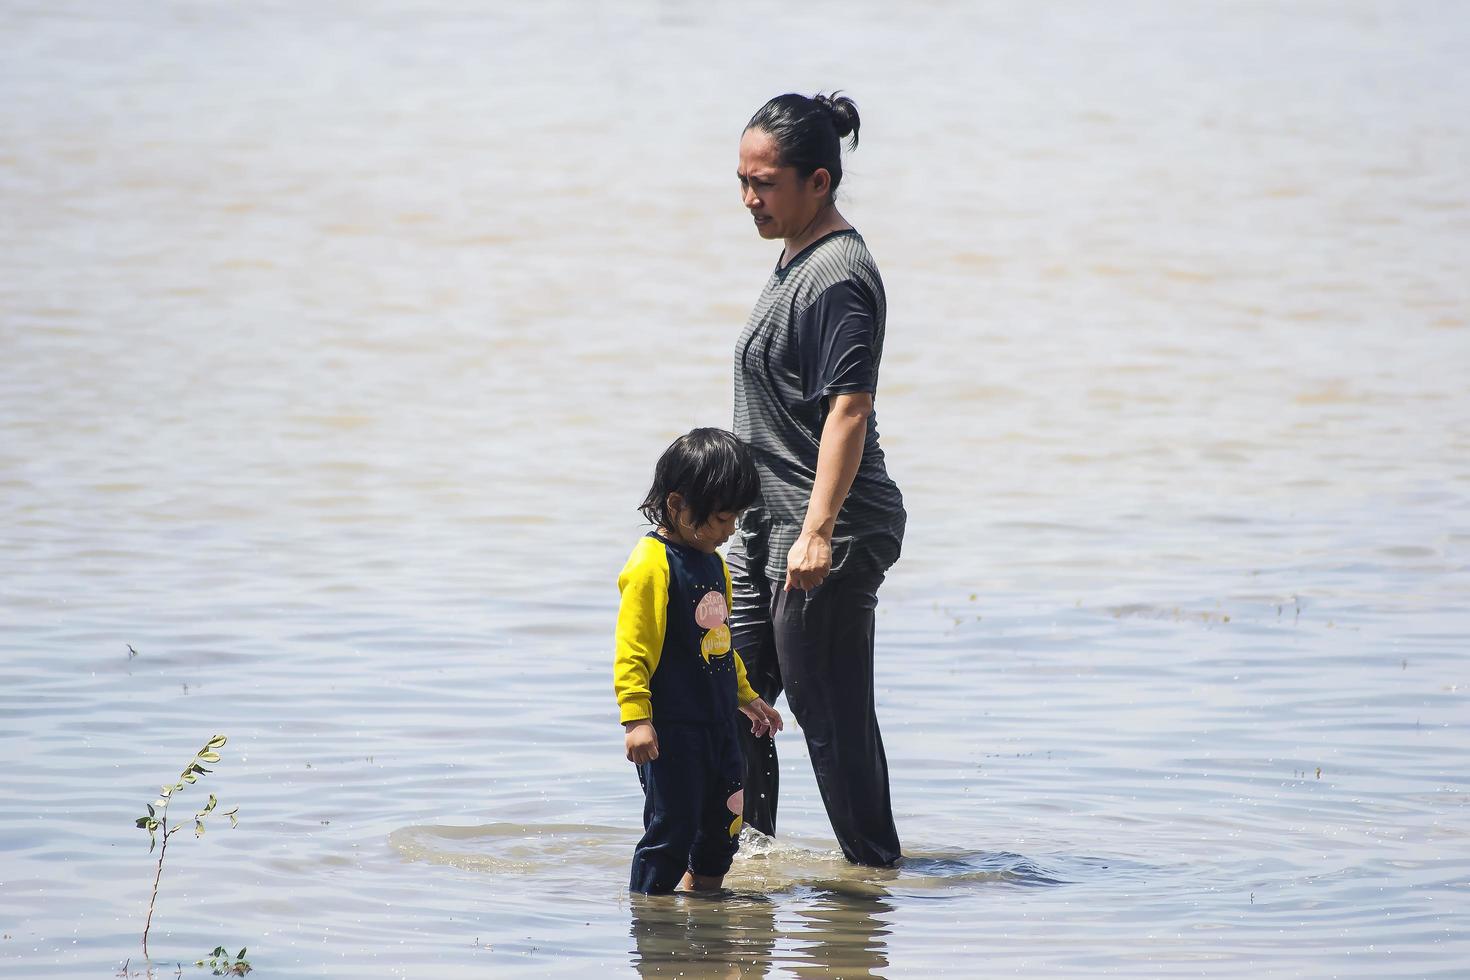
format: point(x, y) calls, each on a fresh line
point(781, 203)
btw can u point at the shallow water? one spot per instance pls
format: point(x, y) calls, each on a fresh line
point(338, 343)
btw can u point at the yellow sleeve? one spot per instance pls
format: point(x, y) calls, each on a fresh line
point(744, 693)
point(642, 619)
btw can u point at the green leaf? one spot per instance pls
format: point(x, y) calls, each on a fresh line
point(240, 955)
point(216, 742)
point(198, 828)
point(141, 822)
point(189, 777)
point(209, 806)
point(152, 843)
point(178, 786)
point(220, 951)
point(150, 809)
point(166, 791)
point(209, 756)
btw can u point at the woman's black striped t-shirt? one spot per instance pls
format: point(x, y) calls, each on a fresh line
point(816, 331)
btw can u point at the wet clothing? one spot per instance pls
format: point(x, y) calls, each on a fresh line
point(687, 822)
point(675, 664)
point(818, 647)
point(817, 331)
point(674, 660)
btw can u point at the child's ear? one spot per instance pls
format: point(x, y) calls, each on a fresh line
point(674, 502)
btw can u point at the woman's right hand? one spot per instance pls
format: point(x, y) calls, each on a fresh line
point(809, 561)
point(641, 741)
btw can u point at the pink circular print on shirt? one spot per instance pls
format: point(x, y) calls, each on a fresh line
point(711, 610)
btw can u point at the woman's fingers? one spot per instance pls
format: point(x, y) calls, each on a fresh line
point(807, 563)
point(805, 579)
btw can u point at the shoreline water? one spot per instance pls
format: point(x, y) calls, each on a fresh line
point(336, 344)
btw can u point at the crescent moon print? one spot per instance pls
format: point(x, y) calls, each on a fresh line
point(715, 643)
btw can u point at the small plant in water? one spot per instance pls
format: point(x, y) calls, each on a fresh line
point(221, 964)
point(157, 824)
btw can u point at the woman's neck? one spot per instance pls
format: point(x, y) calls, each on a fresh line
point(824, 222)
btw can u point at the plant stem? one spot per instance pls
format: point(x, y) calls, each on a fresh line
point(162, 850)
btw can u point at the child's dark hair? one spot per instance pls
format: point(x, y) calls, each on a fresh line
point(711, 469)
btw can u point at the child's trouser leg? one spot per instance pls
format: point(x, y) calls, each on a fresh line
point(685, 822)
point(672, 787)
point(718, 837)
point(750, 630)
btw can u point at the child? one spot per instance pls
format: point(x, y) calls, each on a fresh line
point(675, 667)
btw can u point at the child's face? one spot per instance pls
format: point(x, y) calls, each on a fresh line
point(706, 537)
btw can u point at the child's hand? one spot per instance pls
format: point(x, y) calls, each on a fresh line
point(764, 719)
point(641, 742)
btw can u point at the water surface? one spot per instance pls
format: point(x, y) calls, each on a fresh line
point(339, 341)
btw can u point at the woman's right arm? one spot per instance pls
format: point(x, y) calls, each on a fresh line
point(836, 341)
point(838, 456)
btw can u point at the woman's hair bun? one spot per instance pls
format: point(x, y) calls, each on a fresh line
point(808, 131)
point(844, 113)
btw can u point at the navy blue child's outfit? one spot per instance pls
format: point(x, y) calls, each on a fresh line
point(675, 666)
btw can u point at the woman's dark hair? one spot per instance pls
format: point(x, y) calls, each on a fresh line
point(809, 132)
point(711, 469)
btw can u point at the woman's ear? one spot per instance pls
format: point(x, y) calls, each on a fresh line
point(820, 181)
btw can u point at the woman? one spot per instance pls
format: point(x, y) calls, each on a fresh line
point(808, 558)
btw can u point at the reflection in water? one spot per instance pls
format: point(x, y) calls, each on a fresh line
point(729, 935)
point(722, 935)
point(842, 935)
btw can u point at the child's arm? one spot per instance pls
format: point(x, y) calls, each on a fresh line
point(764, 719)
point(640, 744)
point(639, 642)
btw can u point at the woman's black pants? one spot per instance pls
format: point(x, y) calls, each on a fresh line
point(818, 647)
